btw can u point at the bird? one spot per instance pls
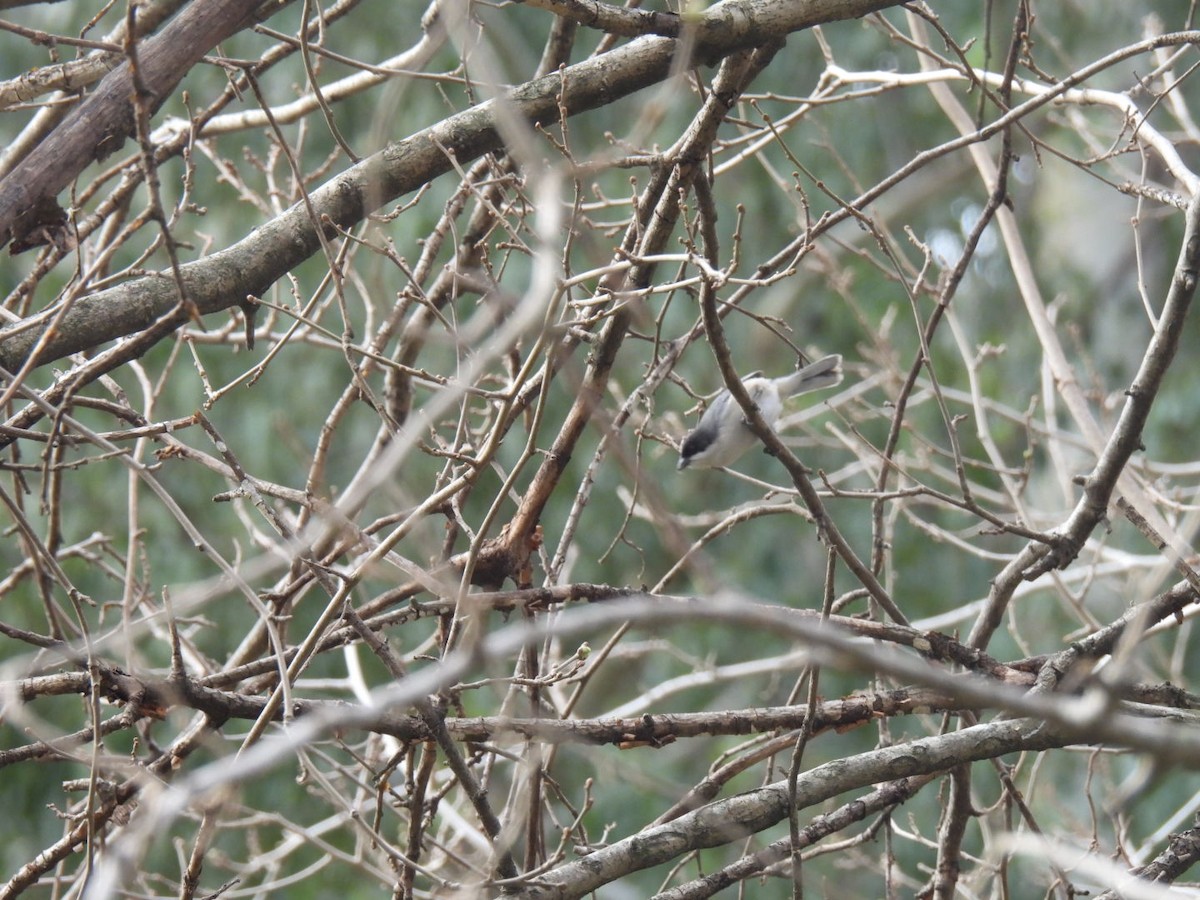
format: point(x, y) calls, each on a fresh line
point(722, 435)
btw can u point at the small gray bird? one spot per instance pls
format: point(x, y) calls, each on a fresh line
point(722, 434)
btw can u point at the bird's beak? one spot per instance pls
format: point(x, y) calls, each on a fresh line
point(682, 464)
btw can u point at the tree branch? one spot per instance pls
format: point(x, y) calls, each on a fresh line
point(253, 264)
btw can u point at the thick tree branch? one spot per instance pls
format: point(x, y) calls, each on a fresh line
point(249, 267)
point(102, 123)
point(752, 812)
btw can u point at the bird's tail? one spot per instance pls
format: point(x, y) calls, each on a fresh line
point(823, 373)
